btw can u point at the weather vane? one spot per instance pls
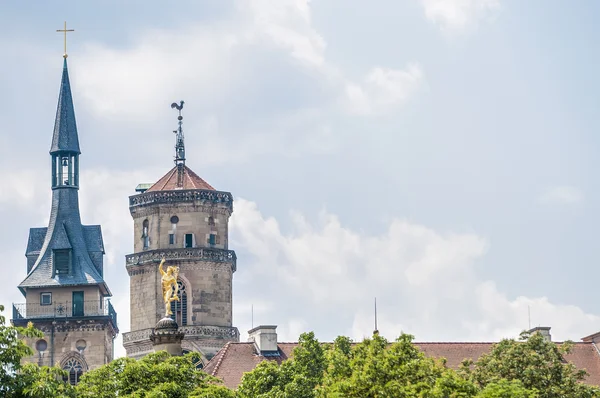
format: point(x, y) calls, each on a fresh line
point(65, 30)
point(179, 145)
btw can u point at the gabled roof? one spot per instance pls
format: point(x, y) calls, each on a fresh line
point(191, 180)
point(65, 129)
point(235, 359)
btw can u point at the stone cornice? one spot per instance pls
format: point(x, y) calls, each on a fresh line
point(210, 257)
point(197, 196)
point(193, 332)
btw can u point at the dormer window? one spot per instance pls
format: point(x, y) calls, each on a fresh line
point(62, 261)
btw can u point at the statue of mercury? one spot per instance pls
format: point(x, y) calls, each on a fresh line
point(170, 289)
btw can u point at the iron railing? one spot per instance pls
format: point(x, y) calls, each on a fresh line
point(65, 309)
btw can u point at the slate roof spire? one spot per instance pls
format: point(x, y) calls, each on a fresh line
point(65, 128)
point(66, 253)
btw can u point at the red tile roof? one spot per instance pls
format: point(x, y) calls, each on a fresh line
point(191, 180)
point(235, 359)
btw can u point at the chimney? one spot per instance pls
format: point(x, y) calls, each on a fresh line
point(543, 330)
point(264, 338)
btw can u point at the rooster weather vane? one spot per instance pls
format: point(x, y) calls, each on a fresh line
point(179, 145)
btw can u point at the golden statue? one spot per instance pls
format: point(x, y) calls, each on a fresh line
point(170, 288)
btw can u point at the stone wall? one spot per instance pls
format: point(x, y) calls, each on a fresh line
point(65, 339)
point(208, 284)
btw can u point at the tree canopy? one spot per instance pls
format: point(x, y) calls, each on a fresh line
point(530, 367)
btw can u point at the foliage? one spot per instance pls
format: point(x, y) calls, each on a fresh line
point(537, 363)
point(157, 375)
point(13, 349)
point(44, 382)
point(295, 378)
point(530, 368)
point(507, 389)
point(376, 368)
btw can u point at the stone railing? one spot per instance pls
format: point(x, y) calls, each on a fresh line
point(204, 254)
point(215, 332)
point(66, 309)
point(191, 195)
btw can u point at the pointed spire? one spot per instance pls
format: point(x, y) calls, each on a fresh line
point(65, 129)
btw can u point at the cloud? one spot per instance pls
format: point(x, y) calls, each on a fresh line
point(324, 276)
point(384, 89)
point(565, 195)
point(457, 15)
point(257, 81)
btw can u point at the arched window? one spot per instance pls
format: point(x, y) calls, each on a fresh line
point(179, 308)
point(75, 369)
point(145, 236)
point(196, 359)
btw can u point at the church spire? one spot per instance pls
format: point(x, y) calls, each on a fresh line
point(179, 146)
point(66, 252)
point(65, 141)
point(65, 129)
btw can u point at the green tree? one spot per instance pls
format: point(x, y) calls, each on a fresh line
point(506, 389)
point(43, 382)
point(157, 375)
point(376, 368)
point(295, 378)
point(17, 380)
point(538, 364)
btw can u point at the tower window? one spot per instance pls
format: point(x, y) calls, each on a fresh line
point(145, 236)
point(45, 298)
point(62, 261)
point(189, 240)
point(75, 370)
point(171, 238)
point(212, 239)
point(211, 220)
point(179, 308)
point(174, 220)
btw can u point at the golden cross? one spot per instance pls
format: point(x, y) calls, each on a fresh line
point(65, 30)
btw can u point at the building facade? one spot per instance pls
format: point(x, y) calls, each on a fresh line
point(184, 220)
point(66, 296)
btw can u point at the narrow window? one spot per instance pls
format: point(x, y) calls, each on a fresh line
point(171, 238)
point(145, 236)
point(189, 240)
point(179, 308)
point(62, 261)
point(45, 298)
point(211, 220)
point(212, 239)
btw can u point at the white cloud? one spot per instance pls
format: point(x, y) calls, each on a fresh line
point(564, 194)
point(324, 275)
point(384, 89)
point(216, 65)
point(457, 15)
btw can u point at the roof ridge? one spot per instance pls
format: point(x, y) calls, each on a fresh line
point(220, 360)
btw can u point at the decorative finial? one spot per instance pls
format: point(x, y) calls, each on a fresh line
point(65, 30)
point(179, 145)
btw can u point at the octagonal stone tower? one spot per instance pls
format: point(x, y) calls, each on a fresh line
point(185, 220)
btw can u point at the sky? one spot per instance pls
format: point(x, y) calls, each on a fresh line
point(440, 155)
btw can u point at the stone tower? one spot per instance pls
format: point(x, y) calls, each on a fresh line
point(185, 220)
point(66, 296)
